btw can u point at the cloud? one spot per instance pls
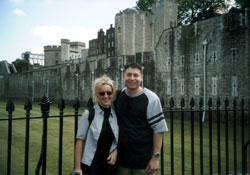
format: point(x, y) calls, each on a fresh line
point(16, 1)
point(83, 34)
point(38, 50)
point(53, 34)
point(48, 1)
point(19, 12)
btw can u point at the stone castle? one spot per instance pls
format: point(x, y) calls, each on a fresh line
point(209, 58)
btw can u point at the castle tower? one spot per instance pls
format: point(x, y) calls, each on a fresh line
point(139, 31)
point(65, 46)
point(75, 49)
point(165, 16)
point(52, 55)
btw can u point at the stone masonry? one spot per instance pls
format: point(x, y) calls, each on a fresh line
point(172, 58)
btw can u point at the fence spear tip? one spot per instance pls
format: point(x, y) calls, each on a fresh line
point(10, 107)
point(61, 104)
point(28, 104)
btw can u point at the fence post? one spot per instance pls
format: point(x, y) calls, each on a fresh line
point(162, 149)
point(45, 107)
point(61, 106)
point(243, 157)
point(201, 135)
point(172, 134)
point(27, 108)
point(182, 136)
point(226, 135)
point(192, 134)
point(76, 106)
point(10, 108)
point(218, 135)
point(210, 136)
point(249, 132)
point(235, 134)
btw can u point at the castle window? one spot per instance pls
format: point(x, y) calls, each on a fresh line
point(104, 50)
point(108, 54)
point(182, 60)
point(234, 54)
point(65, 85)
point(119, 29)
point(124, 60)
point(83, 84)
point(108, 44)
point(242, 21)
point(214, 85)
point(112, 43)
point(95, 64)
point(197, 59)
point(108, 35)
point(214, 57)
point(234, 86)
point(168, 61)
point(182, 86)
point(168, 87)
point(73, 84)
point(196, 86)
point(108, 62)
point(112, 34)
point(104, 41)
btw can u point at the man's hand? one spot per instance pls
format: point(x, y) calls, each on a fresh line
point(153, 165)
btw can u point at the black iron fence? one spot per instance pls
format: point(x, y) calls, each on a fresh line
point(210, 141)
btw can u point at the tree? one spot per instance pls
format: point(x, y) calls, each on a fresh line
point(145, 5)
point(190, 11)
point(243, 3)
point(21, 65)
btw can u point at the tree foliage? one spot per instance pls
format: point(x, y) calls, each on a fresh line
point(21, 65)
point(243, 3)
point(145, 5)
point(191, 10)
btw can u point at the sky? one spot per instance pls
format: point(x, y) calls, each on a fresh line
point(29, 25)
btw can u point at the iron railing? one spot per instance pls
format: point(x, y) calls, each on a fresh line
point(215, 116)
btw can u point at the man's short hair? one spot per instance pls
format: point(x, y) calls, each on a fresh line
point(133, 66)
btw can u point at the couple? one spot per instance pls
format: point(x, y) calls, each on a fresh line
point(141, 126)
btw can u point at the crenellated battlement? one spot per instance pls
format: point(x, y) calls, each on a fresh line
point(77, 43)
point(52, 48)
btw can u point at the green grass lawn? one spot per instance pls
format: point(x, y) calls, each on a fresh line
point(18, 140)
point(187, 146)
point(18, 143)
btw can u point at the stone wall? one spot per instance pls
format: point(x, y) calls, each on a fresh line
point(174, 69)
point(180, 62)
point(69, 81)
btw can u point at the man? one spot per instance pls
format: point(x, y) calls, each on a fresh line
point(141, 122)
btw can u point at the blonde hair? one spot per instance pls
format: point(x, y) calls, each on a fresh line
point(104, 80)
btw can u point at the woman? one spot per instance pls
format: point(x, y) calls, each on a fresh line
point(96, 143)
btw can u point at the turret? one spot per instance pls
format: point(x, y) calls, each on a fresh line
point(65, 46)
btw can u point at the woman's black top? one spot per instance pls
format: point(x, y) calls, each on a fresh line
point(104, 143)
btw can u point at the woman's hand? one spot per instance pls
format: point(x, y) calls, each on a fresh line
point(112, 157)
point(79, 171)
